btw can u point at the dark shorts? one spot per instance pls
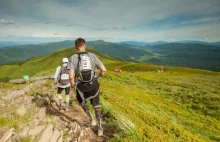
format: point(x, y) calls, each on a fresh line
point(60, 90)
point(89, 91)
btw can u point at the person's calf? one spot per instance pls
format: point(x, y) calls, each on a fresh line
point(99, 120)
point(87, 111)
point(98, 115)
point(60, 100)
point(67, 102)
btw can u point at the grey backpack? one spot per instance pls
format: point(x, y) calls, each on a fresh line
point(64, 76)
point(86, 70)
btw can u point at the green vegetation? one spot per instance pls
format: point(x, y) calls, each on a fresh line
point(14, 54)
point(154, 106)
point(26, 139)
point(180, 104)
point(46, 64)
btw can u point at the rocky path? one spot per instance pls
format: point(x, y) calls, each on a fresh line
point(47, 123)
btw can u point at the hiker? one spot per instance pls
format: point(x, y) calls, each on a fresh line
point(82, 68)
point(61, 79)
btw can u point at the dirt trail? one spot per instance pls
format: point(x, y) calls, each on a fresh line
point(48, 123)
point(76, 116)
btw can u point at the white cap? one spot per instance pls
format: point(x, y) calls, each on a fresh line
point(65, 60)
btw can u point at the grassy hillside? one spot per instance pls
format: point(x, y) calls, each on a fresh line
point(18, 53)
point(180, 104)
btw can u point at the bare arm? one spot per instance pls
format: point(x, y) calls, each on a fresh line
point(102, 71)
point(56, 74)
point(72, 74)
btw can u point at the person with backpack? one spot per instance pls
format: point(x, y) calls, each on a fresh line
point(61, 79)
point(83, 76)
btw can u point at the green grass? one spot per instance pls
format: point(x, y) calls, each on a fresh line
point(26, 139)
point(180, 104)
point(148, 111)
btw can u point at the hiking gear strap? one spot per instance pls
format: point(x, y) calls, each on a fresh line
point(82, 95)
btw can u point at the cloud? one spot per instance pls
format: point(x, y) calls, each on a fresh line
point(6, 22)
point(122, 18)
point(56, 34)
point(109, 29)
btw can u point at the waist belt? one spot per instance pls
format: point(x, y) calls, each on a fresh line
point(86, 99)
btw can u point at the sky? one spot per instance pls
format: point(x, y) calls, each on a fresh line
point(110, 20)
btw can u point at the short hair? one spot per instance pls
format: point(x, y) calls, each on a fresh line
point(79, 42)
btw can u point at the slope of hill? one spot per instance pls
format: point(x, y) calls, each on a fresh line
point(184, 55)
point(124, 51)
point(172, 54)
point(18, 53)
point(180, 104)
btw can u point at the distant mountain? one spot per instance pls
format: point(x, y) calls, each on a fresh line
point(192, 55)
point(156, 43)
point(8, 43)
point(184, 54)
point(172, 54)
point(216, 43)
point(124, 51)
point(18, 53)
point(199, 42)
point(135, 43)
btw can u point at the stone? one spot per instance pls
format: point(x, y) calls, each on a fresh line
point(36, 130)
point(24, 131)
point(82, 133)
point(13, 94)
point(79, 139)
point(19, 100)
point(61, 137)
point(55, 136)
point(7, 135)
point(47, 134)
point(76, 129)
point(41, 114)
point(40, 102)
point(21, 110)
point(70, 130)
point(47, 101)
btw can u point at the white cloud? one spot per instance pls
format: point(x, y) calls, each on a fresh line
point(115, 19)
point(6, 22)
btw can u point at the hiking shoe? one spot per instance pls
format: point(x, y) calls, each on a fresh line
point(93, 122)
point(100, 132)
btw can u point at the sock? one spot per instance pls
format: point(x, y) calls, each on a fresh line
point(67, 100)
point(87, 111)
point(60, 98)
